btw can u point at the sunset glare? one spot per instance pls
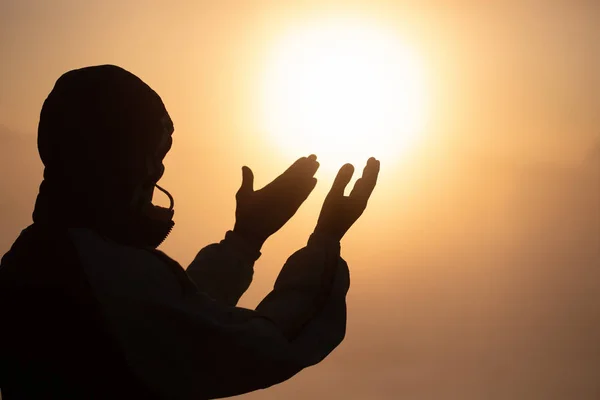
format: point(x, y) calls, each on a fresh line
point(344, 90)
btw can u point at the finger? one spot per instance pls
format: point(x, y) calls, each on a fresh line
point(364, 186)
point(312, 167)
point(291, 171)
point(307, 190)
point(311, 186)
point(294, 167)
point(304, 166)
point(300, 172)
point(341, 180)
point(247, 186)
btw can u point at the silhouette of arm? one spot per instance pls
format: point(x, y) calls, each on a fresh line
point(183, 344)
point(224, 270)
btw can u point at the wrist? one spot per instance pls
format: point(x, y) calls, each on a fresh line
point(324, 239)
point(245, 251)
point(329, 233)
point(250, 239)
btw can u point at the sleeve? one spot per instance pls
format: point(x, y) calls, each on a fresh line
point(224, 270)
point(195, 347)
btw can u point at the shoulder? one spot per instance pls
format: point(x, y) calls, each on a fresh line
point(39, 257)
point(116, 270)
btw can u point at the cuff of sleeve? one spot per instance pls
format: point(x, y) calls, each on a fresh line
point(322, 239)
point(247, 252)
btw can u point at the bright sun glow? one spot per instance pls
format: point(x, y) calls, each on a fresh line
point(344, 91)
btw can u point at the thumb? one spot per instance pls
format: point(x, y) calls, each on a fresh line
point(247, 186)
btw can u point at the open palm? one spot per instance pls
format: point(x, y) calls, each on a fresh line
point(261, 213)
point(340, 212)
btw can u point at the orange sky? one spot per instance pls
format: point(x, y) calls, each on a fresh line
point(451, 269)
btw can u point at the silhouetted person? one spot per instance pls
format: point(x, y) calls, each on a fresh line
point(89, 307)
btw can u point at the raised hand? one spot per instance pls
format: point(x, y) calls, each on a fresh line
point(340, 212)
point(261, 213)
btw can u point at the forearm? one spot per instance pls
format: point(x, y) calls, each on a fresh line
point(306, 283)
point(197, 348)
point(224, 270)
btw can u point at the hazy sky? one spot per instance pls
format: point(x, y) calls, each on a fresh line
point(466, 262)
point(519, 76)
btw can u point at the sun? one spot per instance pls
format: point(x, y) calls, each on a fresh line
point(344, 90)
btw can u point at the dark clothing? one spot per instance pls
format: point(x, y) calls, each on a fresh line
point(85, 317)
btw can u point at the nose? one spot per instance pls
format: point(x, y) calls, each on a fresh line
point(164, 146)
point(160, 173)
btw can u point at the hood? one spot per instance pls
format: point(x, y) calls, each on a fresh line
point(102, 136)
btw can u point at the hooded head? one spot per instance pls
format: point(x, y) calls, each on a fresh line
point(102, 136)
